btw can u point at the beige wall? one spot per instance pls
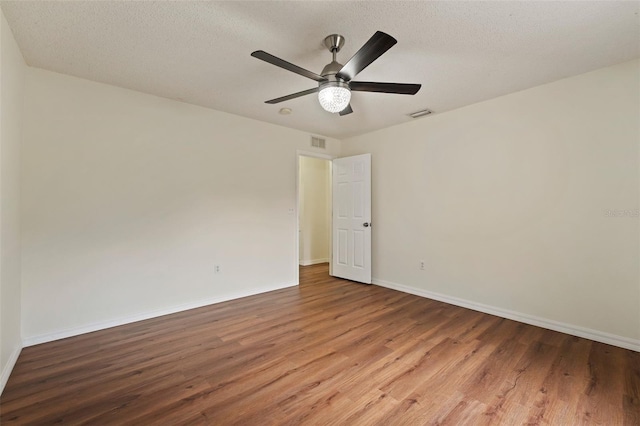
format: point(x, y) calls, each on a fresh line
point(314, 210)
point(11, 94)
point(130, 200)
point(506, 202)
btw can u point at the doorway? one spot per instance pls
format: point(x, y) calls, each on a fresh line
point(314, 209)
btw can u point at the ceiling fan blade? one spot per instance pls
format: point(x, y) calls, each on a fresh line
point(372, 50)
point(346, 111)
point(399, 88)
point(260, 54)
point(292, 96)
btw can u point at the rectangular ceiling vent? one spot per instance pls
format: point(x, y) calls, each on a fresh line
point(318, 142)
point(422, 113)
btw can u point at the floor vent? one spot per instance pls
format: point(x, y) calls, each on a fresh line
point(318, 142)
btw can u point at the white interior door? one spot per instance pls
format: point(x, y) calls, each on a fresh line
point(352, 218)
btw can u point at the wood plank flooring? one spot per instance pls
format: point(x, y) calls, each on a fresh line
point(328, 352)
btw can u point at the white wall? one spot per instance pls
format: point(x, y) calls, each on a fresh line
point(314, 210)
point(505, 201)
point(129, 201)
point(11, 94)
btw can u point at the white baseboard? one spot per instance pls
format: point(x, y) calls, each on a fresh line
point(8, 368)
point(574, 330)
point(313, 262)
point(89, 328)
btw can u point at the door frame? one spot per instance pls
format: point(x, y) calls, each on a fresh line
point(330, 158)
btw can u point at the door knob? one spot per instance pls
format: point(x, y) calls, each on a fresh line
point(366, 224)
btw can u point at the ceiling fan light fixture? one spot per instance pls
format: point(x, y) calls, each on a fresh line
point(334, 96)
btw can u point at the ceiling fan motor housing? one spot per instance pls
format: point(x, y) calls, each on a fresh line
point(329, 72)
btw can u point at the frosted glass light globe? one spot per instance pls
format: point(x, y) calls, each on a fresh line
point(334, 98)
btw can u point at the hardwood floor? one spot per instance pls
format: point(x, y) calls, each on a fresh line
point(326, 352)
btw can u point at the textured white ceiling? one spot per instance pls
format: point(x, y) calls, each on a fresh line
point(199, 52)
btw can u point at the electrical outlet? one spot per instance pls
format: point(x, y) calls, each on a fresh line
point(422, 265)
point(216, 269)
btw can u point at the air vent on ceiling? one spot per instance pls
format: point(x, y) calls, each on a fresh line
point(318, 142)
point(420, 113)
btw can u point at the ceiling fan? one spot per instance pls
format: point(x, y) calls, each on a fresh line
point(335, 82)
